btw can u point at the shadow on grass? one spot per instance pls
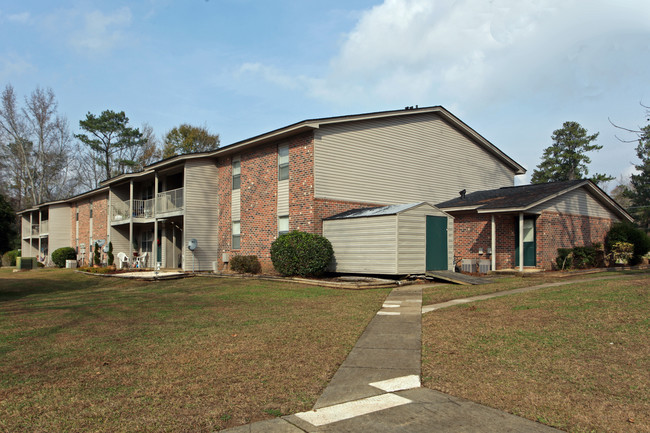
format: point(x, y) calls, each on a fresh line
point(15, 286)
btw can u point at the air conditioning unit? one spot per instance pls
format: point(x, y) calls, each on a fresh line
point(484, 266)
point(468, 265)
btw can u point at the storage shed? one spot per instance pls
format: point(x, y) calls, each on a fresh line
point(397, 239)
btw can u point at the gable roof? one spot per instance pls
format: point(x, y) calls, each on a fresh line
point(525, 197)
point(313, 124)
point(374, 211)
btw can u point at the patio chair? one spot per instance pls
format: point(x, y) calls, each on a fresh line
point(123, 259)
point(142, 260)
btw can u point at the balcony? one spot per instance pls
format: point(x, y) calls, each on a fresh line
point(143, 208)
point(165, 203)
point(169, 201)
point(44, 227)
point(35, 229)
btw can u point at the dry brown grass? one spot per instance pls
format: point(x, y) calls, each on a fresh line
point(576, 357)
point(82, 353)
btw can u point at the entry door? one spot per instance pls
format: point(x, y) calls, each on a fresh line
point(436, 254)
point(530, 248)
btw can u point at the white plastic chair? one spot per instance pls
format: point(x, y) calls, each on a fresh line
point(123, 259)
point(142, 260)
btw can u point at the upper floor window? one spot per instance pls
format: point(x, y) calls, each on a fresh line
point(236, 173)
point(283, 162)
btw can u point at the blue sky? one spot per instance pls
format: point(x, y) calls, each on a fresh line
point(512, 70)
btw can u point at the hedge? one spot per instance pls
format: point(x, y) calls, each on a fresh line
point(302, 254)
point(59, 256)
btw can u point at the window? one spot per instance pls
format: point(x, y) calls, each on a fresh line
point(283, 224)
point(91, 210)
point(236, 174)
point(77, 215)
point(236, 235)
point(147, 242)
point(283, 162)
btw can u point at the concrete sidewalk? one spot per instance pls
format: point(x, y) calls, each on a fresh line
point(377, 388)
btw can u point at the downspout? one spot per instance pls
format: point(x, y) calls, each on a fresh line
point(494, 244)
point(521, 242)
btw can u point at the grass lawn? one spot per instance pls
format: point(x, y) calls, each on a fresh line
point(82, 353)
point(576, 357)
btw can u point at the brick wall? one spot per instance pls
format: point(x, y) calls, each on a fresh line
point(555, 231)
point(100, 227)
point(474, 231)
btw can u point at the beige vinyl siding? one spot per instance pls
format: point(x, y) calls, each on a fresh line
point(400, 160)
point(363, 245)
point(283, 197)
point(576, 202)
point(201, 213)
point(120, 240)
point(412, 230)
point(59, 227)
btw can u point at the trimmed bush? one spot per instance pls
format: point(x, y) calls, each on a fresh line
point(626, 232)
point(59, 256)
point(109, 255)
point(245, 264)
point(9, 258)
point(96, 255)
point(302, 254)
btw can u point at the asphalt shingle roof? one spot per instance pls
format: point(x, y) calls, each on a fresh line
point(510, 197)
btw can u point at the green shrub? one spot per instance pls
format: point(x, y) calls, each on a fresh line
point(626, 232)
point(59, 256)
point(564, 258)
point(96, 255)
point(579, 257)
point(245, 264)
point(109, 255)
point(9, 258)
point(300, 253)
point(622, 252)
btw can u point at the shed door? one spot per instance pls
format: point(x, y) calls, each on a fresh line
point(436, 256)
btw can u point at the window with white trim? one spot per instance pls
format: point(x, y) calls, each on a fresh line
point(283, 224)
point(283, 162)
point(236, 235)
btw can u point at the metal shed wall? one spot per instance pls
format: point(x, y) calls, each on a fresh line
point(411, 229)
point(387, 244)
point(363, 245)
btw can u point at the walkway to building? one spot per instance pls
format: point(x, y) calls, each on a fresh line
point(377, 388)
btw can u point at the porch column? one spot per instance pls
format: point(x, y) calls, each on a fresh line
point(521, 242)
point(31, 234)
point(154, 250)
point(493, 240)
point(130, 217)
point(40, 221)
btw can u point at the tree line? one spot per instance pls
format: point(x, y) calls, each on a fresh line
point(42, 160)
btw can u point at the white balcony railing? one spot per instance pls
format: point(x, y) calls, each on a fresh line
point(35, 230)
point(143, 208)
point(169, 201)
point(119, 210)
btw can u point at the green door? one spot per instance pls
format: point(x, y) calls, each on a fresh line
point(436, 255)
point(530, 248)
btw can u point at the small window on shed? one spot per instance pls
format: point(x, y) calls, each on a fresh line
point(236, 235)
point(236, 173)
point(283, 162)
point(283, 224)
